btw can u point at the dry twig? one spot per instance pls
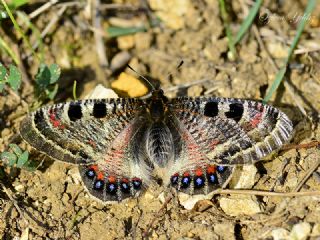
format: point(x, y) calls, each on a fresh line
point(309, 172)
point(14, 202)
point(96, 22)
point(265, 193)
point(43, 8)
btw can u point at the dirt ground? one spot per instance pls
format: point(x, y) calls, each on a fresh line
point(52, 198)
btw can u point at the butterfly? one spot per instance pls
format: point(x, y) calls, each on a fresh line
point(122, 146)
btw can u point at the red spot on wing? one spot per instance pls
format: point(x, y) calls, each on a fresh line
point(112, 179)
point(94, 167)
point(198, 172)
point(125, 180)
point(186, 174)
point(136, 179)
point(258, 117)
point(54, 121)
point(211, 169)
point(100, 176)
point(256, 120)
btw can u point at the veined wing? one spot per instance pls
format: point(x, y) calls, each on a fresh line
point(94, 133)
point(232, 131)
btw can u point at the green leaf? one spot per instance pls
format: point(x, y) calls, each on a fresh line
point(52, 93)
point(1, 87)
point(120, 31)
point(16, 149)
point(17, 3)
point(47, 75)
point(9, 157)
point(14, 78)
point(55, 72)
point(3, 73)
point(23, 158)
point(31, 165)
point(43, 76)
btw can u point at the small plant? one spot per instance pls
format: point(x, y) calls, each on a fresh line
point(122, 31)
point(15, 157)
point(46, 87)
point(13, 6)
point(46, 81)
point(11, 77)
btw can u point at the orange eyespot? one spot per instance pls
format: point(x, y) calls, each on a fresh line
point(211, 169)
point(198, 172)
point(94, 167)
point(112, 179)
point(125, 180)
point(100, 176)
point(186, 174)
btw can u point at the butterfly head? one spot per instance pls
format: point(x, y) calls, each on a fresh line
point(157, 105)
point(157, 93)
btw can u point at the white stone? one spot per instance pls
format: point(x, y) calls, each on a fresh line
point(279, 234)
point(244, 178)
point(100, 92)
point(316, 230)
point(300, 231)
point(171, 12)
point(238, 205)
point(188, 201)
point(25, 234)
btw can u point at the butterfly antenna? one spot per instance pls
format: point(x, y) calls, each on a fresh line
point(143, 77)
point(177, 68)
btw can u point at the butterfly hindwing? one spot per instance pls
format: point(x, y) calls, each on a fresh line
point(191, 171)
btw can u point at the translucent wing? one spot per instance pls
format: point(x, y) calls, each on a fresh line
point(97, 135)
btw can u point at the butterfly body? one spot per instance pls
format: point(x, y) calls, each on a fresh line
point(123, 146)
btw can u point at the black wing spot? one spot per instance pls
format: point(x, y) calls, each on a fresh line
point(38, 117)
point(99, 110)
point(273, 115)
point(235, 112)
point(211, 109)
point(74, 112)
